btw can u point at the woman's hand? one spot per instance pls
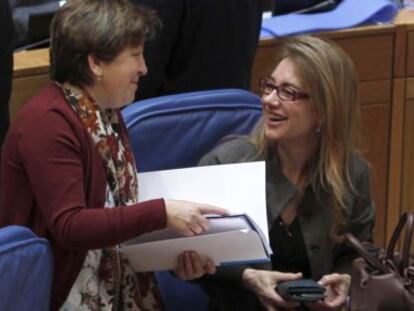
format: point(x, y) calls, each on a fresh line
point(190, 266)
point(337, 287)
point(187, 217)
point(262, 283)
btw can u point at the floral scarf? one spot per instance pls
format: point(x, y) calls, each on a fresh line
point(106, 282)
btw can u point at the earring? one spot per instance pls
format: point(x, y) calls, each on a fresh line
point(99, 78)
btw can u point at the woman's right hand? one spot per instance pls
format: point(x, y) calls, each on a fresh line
point(262, 283)
point(188, 218)
point(190, 266)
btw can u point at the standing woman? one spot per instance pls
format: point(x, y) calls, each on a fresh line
point(68, 172)
point(317, 186)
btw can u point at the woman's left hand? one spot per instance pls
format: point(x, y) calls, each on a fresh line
point(337, 287)
point(190, 266)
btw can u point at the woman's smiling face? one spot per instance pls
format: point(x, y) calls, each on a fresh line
point(288, 120)
point(120, 78)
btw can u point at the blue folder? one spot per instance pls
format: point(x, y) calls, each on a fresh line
point(348, 13)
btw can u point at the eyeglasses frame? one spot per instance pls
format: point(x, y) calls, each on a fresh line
point(264, 83)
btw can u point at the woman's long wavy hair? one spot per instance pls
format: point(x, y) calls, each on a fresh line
point(331, 81)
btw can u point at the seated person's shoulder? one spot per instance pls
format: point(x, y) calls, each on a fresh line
point(231, 150)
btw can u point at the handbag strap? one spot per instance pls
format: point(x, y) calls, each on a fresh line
point(371, 260)
point(406, 220)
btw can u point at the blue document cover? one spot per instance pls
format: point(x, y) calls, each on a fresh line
point(348, 13)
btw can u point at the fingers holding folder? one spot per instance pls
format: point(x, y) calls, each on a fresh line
point(190, 266)
point(188, 218)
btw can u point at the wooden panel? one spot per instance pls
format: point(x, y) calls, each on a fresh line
point(28, 63)
point(375, 91)
point(400, 51)
point(408, 161)
point(23, 89)
point(372, 56)
point(374, 145)
point(410, 88)
point(365, 31)
point(395, 163)
point(263, 63)
point(30, 73)
point(410, 54)
point(405, 17)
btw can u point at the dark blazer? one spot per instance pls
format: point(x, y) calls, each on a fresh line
point(6, 65)
point(325, 256)
point(204, 44)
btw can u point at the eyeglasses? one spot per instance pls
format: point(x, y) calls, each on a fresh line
point(283, 93)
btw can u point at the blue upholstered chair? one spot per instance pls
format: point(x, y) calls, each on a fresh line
point(175, 131)
point(25, 270)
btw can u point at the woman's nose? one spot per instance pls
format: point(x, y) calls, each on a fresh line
point(142, 67)
point(270, 100)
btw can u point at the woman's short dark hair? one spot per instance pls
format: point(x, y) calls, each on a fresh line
point(102, 28)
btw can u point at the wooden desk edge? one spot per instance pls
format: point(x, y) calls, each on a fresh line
point(28, 63)
point(345, 33)
point(405, 17)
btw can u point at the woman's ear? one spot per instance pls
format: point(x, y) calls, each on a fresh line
point(95, 66)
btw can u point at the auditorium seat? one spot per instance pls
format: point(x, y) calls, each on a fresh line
point(175, 131)
point(26, 267)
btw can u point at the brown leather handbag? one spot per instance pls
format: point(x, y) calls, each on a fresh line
point(384, 281)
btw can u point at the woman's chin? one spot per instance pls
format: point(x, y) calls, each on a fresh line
point(126, 101)
point(273, 136)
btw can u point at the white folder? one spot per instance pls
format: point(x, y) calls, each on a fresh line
point(241, 237)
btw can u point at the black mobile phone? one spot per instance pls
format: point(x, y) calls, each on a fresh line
point(305, 290)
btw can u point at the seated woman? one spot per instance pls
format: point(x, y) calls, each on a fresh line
point(317, 184)
point(67, 169)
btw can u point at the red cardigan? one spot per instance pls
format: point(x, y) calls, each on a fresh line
point(53, 181)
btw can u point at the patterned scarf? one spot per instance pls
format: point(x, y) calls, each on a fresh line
point(106, 282)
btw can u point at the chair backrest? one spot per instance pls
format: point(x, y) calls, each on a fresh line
point(175, 131)
point(25, 270)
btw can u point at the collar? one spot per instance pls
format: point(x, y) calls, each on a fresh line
point(279, 188)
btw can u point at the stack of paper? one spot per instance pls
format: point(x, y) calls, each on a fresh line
point(240, 238)
point(230, 240)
